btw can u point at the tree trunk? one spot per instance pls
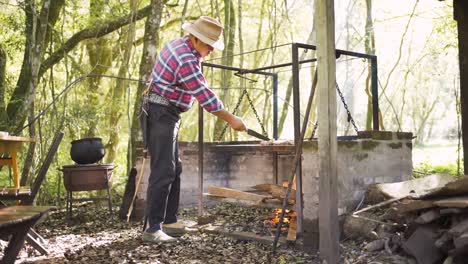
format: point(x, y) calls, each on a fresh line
point(150, 47)
point(118, 93)
point(3, 59)
point(369, 44)
point(461, 16)
point(229, 40)
point(99, 55)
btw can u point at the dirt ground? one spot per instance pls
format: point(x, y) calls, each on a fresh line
point(91, 237)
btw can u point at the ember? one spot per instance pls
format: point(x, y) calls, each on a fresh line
point(287, 216)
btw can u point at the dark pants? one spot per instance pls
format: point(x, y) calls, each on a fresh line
point(164, 180)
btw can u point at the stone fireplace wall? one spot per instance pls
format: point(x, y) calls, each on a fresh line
point(373, 156)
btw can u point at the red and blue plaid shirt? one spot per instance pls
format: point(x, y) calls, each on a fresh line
point(177, 76)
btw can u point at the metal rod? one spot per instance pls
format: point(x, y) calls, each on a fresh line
point(256, 70)
point(200, 161)
point(275, 106)
point(375, 94)
point(297, 158)
point(297, 135)
point(338, 51)
point(277, 66)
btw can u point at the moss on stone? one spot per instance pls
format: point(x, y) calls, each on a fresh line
point(348, 143)
point(409, 145)
point(361, 156)
point(404, 135)
point(395, 145)
point(382, 135)
point(311, 145)
point(369, 144)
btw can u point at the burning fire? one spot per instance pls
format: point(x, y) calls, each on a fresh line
point(277, 216)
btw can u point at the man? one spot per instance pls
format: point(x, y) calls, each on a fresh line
point(175, 82)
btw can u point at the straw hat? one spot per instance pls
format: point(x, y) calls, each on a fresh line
point(208, 30)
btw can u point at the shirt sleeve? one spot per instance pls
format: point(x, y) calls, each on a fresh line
point(192, 80)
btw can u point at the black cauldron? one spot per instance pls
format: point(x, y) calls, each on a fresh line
point(87, 150)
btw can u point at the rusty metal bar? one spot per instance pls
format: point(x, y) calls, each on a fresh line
point(339, 52)
point(297, 136)
point(375, 94)
point(200, 161)
point(297, 159)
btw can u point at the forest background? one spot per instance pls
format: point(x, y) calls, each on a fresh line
point(80, 66)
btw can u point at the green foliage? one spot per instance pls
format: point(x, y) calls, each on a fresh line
point(430, 168)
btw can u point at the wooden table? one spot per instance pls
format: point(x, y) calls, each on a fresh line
point(11, 145)
point(17, 221)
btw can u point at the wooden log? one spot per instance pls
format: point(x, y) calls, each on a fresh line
point(128, 194)
point(428, 216)
point(457, 202)
point(461, 241)
point(410, 205)
point(236, 194)
point(277, 191)
point(292, 232)
point(241, 236)
point(268, 203)
point(459, 228)
point(414, 187)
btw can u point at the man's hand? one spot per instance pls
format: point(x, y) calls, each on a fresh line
point(234, 121)
point(237, 123)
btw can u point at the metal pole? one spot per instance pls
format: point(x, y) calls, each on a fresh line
point(200, 161)
point(375, 94)
point(297, 159)
point(297, 135)
point(275, 106)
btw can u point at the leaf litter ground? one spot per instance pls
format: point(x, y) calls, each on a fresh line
point(92, 237)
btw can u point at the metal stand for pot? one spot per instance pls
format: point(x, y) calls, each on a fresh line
point(87, 177)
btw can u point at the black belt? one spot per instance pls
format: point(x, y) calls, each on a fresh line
point(155, 98)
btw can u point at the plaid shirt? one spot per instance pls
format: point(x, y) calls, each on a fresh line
point(177, 76)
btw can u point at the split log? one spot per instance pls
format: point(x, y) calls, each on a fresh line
point(415, 187)
point(277, 191)
point(459, 228)
point(236, 194)
point(457, 202)
point(428, 216)
point(462, 241)
point(292, 232)
point(421, 245)
point(410, 205)
point(268, 203)
point(128, 194)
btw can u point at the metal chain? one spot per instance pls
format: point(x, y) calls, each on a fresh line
point(313, 131)
point(350, 118)
point(233, 112)
point(256, 114)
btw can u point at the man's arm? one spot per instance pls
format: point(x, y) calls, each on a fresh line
point(235, 122)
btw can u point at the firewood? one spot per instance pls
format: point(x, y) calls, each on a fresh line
point(410, 205)
point(461, 241)
point(231, 193)
point(292, 232)
point(444, 242)
point(277, 191)
point(428, 216)
point(459, 228)
point(458, 202)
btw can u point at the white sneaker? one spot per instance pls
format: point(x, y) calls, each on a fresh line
point(175, 229)
point(157, 237)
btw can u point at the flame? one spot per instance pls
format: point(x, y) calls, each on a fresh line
point(293, 187)
point(277, 216)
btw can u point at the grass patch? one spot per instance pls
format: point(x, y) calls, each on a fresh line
point(430, 168)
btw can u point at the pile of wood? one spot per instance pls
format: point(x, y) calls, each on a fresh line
point(427, 217)
point(263, 195)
